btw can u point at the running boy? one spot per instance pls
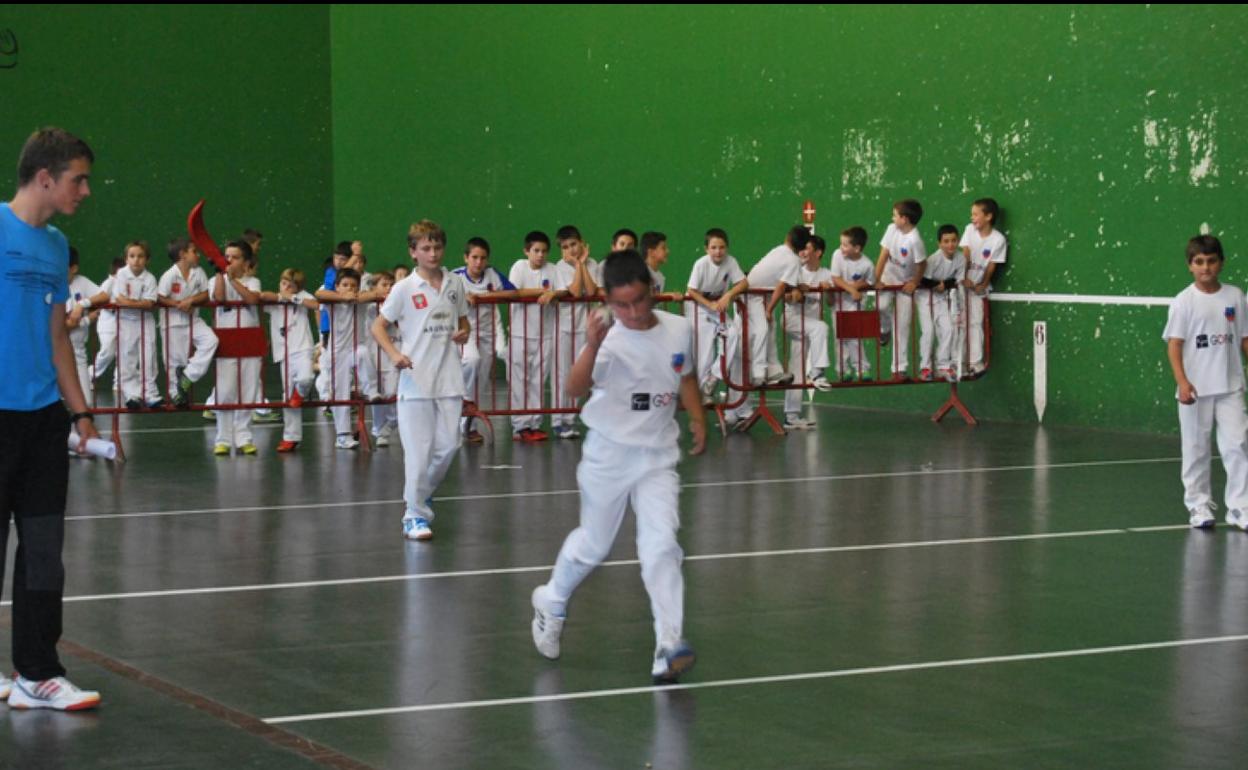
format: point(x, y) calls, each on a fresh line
point(431, 309)
point(1205, 333)
point(853, 274)
point(181, 288)
point(985, 248)
point(940, 305)
point(637, 369)
point(901, 254)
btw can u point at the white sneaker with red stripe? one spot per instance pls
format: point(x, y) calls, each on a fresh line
point(57, 693)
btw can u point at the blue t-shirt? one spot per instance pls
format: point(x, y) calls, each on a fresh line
point(34, 281)
point(331, 279)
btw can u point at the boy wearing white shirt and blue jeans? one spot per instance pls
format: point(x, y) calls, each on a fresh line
point(1205, 333)
point(637, 369)
point(430, 307)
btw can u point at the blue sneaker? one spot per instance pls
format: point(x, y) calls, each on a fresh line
point(417, 529)
point(671, 662)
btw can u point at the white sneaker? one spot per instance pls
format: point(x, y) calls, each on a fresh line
point(547, 626)
point(708, 389)
point(417, 529)
point(57, 693)
point(1203, 518)
point(346, 442)
point(794, 422)
point(822, 383)
point(6, 686)
point(778, 376)
point(672, 661)
point(381, 439)
point(1237, 518)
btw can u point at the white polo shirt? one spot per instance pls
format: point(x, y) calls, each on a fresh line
point(288, 325)
point(530, 319)
point(173, 286)
point(852, 270)
point(713, 280)
point(983, 250)
point(427, 318)
point(637, 378)
point(780, 264)
point(228, 317)
point(905, 253)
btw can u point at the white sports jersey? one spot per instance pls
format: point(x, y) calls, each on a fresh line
point(348, 324)
point(136, 287)
point(491, 280)
point(713, 281)
point(780, 264)
point(942, 268)
point(637, 378)
point(531, 320)
point(905, 252)
point(174, 286)
point(852, 270)
point(288, 324)
point(229, 317)
point(991, 248)
point(1211, 326)
point(427, 318)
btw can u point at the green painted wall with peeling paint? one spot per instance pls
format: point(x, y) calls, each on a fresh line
point(1108, 134)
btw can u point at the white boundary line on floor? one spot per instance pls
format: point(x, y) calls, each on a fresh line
point(691, 485)
point(761, 680)
point(545, 568)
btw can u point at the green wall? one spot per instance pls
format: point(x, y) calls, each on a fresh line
point(227, 103)
point(1108, 134)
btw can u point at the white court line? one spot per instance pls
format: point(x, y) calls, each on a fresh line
point(691, 485)
point(761, 680)
point(1085, 299)
point(542, 568)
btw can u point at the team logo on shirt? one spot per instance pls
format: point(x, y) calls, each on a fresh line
point(177, 288)
point(678, 361)
point(905, 252)
point(420, 301)
point(1229, 313)
point(641, 402)
point(545, 283)
point(1202, 341)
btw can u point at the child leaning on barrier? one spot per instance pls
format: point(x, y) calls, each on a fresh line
point(290, 337)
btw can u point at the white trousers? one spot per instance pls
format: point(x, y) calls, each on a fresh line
point(341, 367)
point(106, 331)
point(296, 376)
point(901, 329)
point(714, 340)
point(808, 353)
point(567, 347)
point(177, 342)
point(1196, 422)
point(610, 477)
point(238, 382)
point(936, 321)
point(763, 355)
point(137, 363)
point(526, 371)
point(429, 432)
point(974, 304)
point(386, 416)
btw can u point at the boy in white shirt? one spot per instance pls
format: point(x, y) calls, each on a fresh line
point(238, 379)
point(290, 338)
point(1206, 339)
point(715, 281)
point(485, 323)
point(638, 368)
point(984, 248)
point(532, 334)
point(807, 333)
point(383, 378)
point(106, 325)
point(853, 274)
point(134, 293)
point(82, 290)
point(780, 271)
point(901, 254)
point(579, 276)
point(431, 309)
point(348, 352)
point(181, 288)
point(940, 307)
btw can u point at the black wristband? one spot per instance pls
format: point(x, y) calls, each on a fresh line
point(73, 418)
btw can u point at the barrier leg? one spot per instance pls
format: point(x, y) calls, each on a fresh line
point(954, 402)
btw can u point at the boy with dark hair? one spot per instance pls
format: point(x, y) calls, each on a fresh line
point(901, 254)
point(940, 306)
point(181, 288)
point(780, 271)
point(78, 319)
point(579, 276)
point(532, 331)
point(238, 379)
point(624, 239)
point(1206, 339)
point(985, 248)
point(716, 279)
point(484, 323)
point(38, 361)
point(635, 370)
point(853, 274)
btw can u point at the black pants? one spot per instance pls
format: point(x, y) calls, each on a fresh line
point(34, 474)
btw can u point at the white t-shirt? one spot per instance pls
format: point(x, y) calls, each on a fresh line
point(852, 270)
point(780, 264)
point(491, 280)
point(983, 250)
point(349, 323)
point(657, 280)
point(905, 253)
point(80, 288)
point(135, 287)
point(173, 286)
point(812, 304)
point(532, 320)
point(427, 318)
point(637, 378)
point(228, 317)
point(288, 323)
point(1211, 326)
point(566, 274)
point(942, 268)
point(714, 281)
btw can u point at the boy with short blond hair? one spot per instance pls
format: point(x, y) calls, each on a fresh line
point(290, 337)
point(853, 274)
